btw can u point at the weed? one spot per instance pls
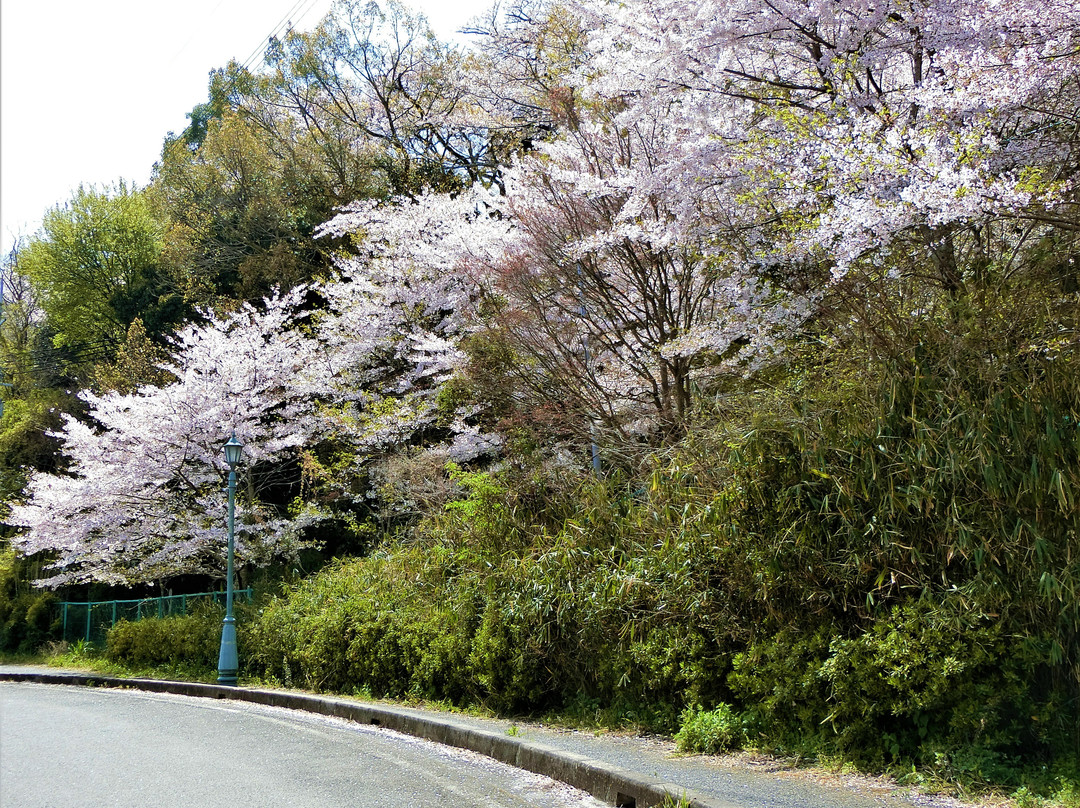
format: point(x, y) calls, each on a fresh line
point(710, 731)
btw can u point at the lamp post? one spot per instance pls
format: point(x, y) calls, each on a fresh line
point(228, 664)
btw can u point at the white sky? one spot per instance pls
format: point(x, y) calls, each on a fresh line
point(88, 90)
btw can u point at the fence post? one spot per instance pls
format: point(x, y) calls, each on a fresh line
point(89, 611)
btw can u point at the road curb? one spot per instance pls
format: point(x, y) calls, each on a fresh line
point(612, 784)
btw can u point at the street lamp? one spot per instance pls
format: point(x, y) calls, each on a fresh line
point(228, 664)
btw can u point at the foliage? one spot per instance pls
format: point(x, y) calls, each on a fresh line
point(710, 731)
point(524, 57)
point(673, 802)
point(958, 479)
point(912, 689)
point(238, 216)
point(31, 370)
point(923, 682)
point(375, 95)
point(26, 440)
point(695, 589)
point(191, 640)
point(356, 627)
point(96, 266)
point(22, 318)
point(805, 272)
point(28, 617)
point(779, 679)
point(503, 612)
point(139, 363)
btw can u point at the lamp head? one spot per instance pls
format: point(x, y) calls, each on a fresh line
point(233, 449)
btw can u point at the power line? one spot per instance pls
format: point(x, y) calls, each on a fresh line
point(86, 352)
point(283, 25)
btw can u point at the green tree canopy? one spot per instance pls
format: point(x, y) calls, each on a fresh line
point(95, 266)
point(239, 215)
point(373, 96)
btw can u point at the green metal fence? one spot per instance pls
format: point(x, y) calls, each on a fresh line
point(91, 621)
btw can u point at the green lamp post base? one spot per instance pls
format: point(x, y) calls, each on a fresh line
point(228, 663)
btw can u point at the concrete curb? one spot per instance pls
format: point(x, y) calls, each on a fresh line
point(614, 785)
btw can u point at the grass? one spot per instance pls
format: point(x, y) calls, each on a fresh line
point(88, 657)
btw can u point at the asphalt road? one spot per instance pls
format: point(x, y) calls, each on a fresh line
point(64, 747)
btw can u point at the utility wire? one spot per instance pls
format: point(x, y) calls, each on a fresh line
point(285, 24)
point(82, 353)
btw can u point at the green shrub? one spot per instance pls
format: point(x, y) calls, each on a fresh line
point(779, 680)
point(191, 640)
point(29, 617)
point(28, 621)
point(923, 683)
point(587, 615)
point(372, 625)
point(711, 731)
point(850, 579)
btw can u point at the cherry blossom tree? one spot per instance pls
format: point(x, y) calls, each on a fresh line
point(843, 129)
point(725, 171)
point(143, 497)
point(397, 312)
point(620, 305)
